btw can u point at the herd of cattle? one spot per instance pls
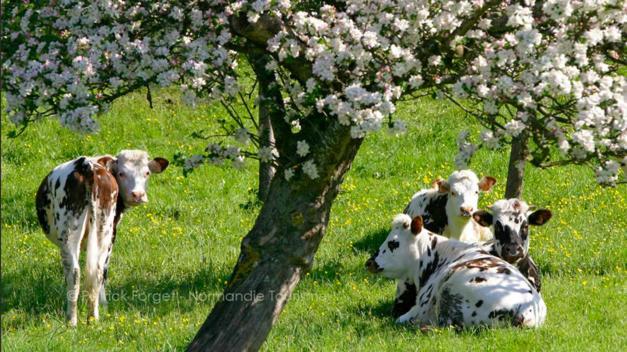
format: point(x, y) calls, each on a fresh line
point(454, 264)
point(451, 269)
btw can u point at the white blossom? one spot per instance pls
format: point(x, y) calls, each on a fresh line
point(310, 169)
point(242, 135)
point(238, 162)
point(302, 148)
point(266, 154)
point(288, 174)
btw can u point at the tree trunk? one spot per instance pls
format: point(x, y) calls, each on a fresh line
point(266, 134)
point(516, 168)
point(279, 249)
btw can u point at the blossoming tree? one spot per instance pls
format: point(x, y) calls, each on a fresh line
point(545, 74)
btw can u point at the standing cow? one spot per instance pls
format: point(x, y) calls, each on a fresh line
point(457, 283)
point(84, 199)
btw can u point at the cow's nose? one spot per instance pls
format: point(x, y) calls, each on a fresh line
point(466, 211)
point(138, 196)
point(514, 252)
point(372, 266)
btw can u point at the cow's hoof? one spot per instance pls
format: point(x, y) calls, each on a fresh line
point(425, 329)
point(405, 319)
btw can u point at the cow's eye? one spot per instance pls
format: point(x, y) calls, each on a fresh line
point(147, 173)
point(476, 192)
point(454, 194)
point(120, 174)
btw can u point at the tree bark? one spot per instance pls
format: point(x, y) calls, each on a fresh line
point(266, 169)
point(279, 249)
point(267, 107)
point(516, 168)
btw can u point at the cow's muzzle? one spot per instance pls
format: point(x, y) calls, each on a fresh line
point(372, 266)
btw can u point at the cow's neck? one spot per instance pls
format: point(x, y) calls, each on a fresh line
point(427, 259)
point(460, 228)
point(435, 251)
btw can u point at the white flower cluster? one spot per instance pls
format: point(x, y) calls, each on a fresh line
point(217, 153)
point(562, 84)
point(465, 150)
point(309, 168)
point(607, 174)
point(193, 162)
point(72, 58)
point(550, 69)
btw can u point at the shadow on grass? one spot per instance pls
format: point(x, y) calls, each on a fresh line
point(372, 241)
point(42, 293)
point(328, 271)
point(382, 310)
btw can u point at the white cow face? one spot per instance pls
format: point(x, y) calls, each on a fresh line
point(132, 169)
point(395, 256)
point(511, 219)
point(463, 189)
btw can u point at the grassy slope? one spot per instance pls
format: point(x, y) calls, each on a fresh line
point(185, 241)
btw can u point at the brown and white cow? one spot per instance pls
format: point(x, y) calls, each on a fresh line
point(79, 205)
point(457, 283)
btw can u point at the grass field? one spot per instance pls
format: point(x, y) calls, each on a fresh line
point(173, 255)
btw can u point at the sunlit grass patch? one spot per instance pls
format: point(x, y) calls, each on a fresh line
point(173, 256)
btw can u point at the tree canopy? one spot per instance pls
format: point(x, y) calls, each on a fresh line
point(551, 69)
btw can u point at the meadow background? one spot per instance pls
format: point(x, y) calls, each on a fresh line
point(173, 256)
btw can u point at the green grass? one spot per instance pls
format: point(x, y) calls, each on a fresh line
point(172, 256)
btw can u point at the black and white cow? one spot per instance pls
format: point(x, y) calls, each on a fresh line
point(79, 205)
point(457, 283)
point(510, 219)
point(446, 210)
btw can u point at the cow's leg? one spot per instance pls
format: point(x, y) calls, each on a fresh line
point(418, 314)
point(95, 284)
point(405, 297)
point(94, 276)
point(105, 272)
point(410, 316)
point(70, 251)
point(98, 246)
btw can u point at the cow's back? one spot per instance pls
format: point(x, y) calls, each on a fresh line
point(488, 291)
point(63, 198)
point(431, 205)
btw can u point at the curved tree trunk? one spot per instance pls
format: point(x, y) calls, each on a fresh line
point(279, 249)
point(516, 168)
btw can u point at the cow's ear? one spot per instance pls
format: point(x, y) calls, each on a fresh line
point(539, 217)
point(416, 225)
point(443, 186)
point(158, 165)
point(107, 162)
point(483, 218)
point(486, 183)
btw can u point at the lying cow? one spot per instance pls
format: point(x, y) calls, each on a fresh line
point(84, 199)
point(446, 210)
point(457, 283)
point(448, 207)
point(510, 219)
